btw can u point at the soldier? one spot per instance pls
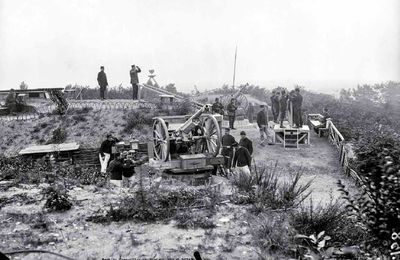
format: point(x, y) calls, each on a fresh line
point(275, 105)
point(262, 122)
point(105, 151)
point(217, 107)
point(135, 80)
point(297, 99)
point(246, 142)
point(242, 160)
point(231, 107)
point(102, 80)
point(325, 116)
point(197, 131)
point(228, 141)
point(282, 107)
point(120, 167)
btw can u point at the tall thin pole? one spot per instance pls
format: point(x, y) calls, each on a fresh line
point(234, 69)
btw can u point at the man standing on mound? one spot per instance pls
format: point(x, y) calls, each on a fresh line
point(135, 80)
point(102, 80)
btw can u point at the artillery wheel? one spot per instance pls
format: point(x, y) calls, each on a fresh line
point(212, 135)
point(161, 140)
point(241, 101)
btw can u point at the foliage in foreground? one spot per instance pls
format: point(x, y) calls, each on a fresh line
point(262, 189)
point(152, 203)
point(57, 199)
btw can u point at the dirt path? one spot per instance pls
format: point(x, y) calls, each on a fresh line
point(319, 162)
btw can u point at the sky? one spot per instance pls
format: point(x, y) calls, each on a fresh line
point(322, 45)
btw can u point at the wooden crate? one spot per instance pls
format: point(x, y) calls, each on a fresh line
point(192, 161)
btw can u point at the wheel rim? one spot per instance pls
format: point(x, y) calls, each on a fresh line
point(160, 140)
point(212, 135)
point(242, 101)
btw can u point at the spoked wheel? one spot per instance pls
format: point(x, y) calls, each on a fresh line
point(242, 101)
point(161, 140)
point(212, 135)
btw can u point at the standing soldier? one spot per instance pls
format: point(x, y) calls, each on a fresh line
point(242, 160)
point(102, 80)
point(275, 105)
point(217, 107)
point(228, 141)
point(231, 107)
point(11, 101)
point(282, 107)
point(297, 99)
point(246, 142)
point(135, 80)
point(262, 122)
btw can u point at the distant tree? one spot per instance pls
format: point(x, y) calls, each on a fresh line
point(171, 88)
point(23, 85)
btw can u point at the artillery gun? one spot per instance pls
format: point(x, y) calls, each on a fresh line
point(241, 99)
point(188, 144)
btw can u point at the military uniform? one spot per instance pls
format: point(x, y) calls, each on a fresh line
point(282, 108)
point(231, 114)
point(297, 100)
point(246, 143)
point(228, 141)
point(102, 80)
point(275, 107)
point(218, 108)
point(135, 81)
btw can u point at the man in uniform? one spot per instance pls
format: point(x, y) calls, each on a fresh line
point(105, 151)
point(275, 105)
point(135, 80)
point(297, 99)
point(217, 107)
point(282, 107)
point(242, 160)
point(102, 80)
point(250, 112)
point(262, 122)
point(325, 116)
point(231, 107)
point(246, 142)
point(228, 141)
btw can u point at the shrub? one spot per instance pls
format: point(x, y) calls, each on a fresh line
point(137, 120)
point(262, 189)
point(59, 136)
point(332, 219)
point(79, 118)
point(57, 199)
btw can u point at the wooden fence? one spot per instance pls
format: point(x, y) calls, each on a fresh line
point(338, 140)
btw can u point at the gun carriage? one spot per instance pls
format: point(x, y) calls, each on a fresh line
point(187, 144)
point(241, 99)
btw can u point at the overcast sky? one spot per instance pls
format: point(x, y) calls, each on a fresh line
point(323, 45)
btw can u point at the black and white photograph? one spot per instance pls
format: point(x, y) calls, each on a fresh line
point(199, 129)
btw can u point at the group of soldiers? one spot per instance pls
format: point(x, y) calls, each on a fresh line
point(280, 104)
point(133, 73)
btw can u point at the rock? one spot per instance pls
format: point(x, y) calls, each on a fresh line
point(224, 219)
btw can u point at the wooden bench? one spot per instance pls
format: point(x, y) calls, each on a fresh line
point(315, 122)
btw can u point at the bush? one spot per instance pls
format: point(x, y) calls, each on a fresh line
point(332, 219)
point(59, 136)
point(137, 120)
point(57, 199)
point(79, 118)
point(261, 188)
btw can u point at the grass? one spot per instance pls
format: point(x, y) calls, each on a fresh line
point(263, 189)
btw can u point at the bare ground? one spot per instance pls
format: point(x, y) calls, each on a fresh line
point(70, 234)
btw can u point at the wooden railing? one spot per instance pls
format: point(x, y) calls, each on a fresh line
point(338, 140)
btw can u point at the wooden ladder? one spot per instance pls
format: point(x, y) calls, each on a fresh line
point(291, 138)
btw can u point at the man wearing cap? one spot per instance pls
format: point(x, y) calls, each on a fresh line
point(242, 160)
point(120, 167)
point(262, 122)
point(217, 107)
point(297, 99)
point(135, 80)
point(102, 80)
point(282, 107)
point(105, 151)
point(246, 142)
point(231, 107)
point(275, 105)
point(228, 141)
